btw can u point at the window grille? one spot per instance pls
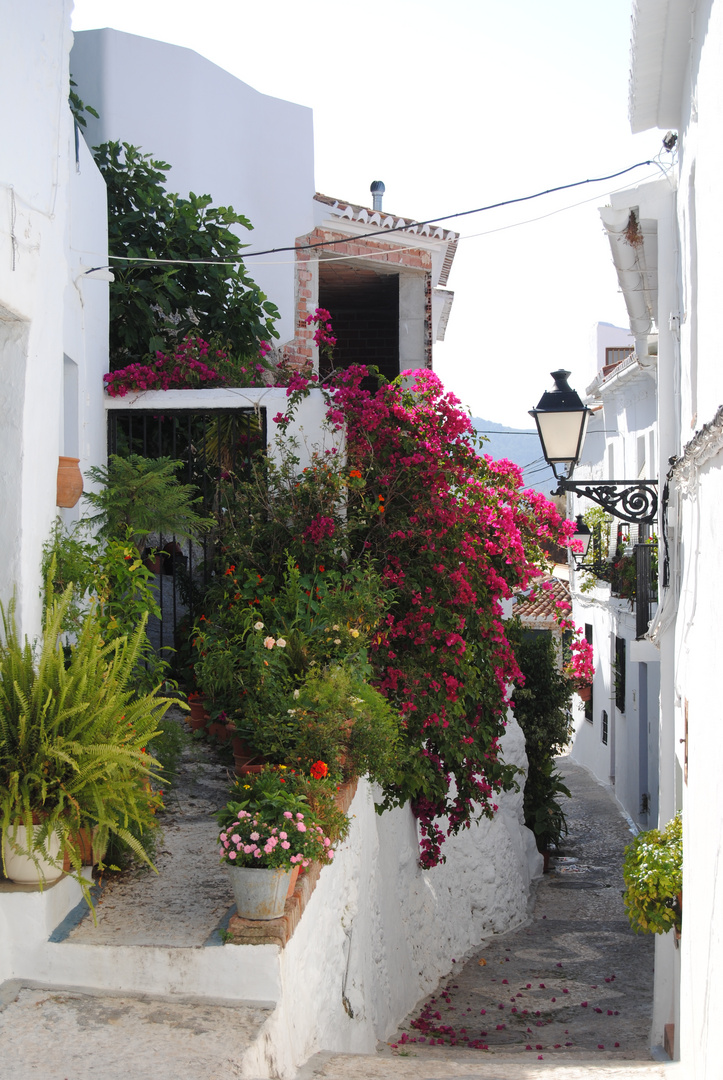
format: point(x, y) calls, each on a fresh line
point(620, 673)
point(211, 444)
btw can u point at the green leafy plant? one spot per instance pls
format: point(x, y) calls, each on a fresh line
point(653, 875)
point(73, 736)
point(336, 717)
point(542, 709)
point(318, 791)
point(113, 575)
point(208, 291)
point(78, 107)
point(140, 496)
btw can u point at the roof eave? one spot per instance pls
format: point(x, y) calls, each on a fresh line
point(659, 54)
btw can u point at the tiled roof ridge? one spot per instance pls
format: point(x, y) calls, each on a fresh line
point(383, 220)
point(544, 604)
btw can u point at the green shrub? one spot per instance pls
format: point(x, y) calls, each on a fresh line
point(542, 709)
point(653, 875)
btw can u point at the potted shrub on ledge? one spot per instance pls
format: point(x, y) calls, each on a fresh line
point(263, 840)
point(73, 737)
point(653, 874)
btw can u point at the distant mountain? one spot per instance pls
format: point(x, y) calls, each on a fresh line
point(521, 446)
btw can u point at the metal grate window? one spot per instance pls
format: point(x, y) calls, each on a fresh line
point(620, 673)
point(588, 704)
point(604, 727)
point(210, 444)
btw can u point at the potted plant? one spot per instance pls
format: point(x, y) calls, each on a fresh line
point(262, 840)
point(73, 737)
point(653, 875)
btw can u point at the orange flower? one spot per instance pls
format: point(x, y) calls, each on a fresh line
point(319, 770)
point(356, 474)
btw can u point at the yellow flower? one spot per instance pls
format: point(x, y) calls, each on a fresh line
point(354, 633)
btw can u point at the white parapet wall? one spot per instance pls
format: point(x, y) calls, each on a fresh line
point(379, 932)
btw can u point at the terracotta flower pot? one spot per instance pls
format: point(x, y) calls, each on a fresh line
point(583, 691)
point(198, 709)
point(70, 481)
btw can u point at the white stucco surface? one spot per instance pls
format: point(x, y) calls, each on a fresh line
point(220, 136)
point(52, 216)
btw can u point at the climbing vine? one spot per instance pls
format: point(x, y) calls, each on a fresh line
point(453, 534)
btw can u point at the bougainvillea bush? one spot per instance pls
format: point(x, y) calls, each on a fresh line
point(452, 535)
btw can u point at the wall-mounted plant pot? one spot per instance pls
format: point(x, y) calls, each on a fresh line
point(70, 481)
point(584, 691)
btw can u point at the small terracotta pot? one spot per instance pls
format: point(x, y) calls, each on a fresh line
point(243, 769)
point(198, 709)
point(69, 482)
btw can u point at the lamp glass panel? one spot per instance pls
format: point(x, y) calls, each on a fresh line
point(584, 538)
point(560, 434)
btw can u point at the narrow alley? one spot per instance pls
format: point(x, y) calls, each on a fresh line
point(570, 992)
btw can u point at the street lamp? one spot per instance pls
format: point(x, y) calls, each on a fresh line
point(583, 536)
point(561, 420)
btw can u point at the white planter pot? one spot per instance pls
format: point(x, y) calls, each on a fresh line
point(259, 893)
point(26, 871)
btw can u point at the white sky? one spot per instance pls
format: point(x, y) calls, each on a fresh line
point(454, 105)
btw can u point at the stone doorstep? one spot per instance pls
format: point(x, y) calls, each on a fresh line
point(278, 931)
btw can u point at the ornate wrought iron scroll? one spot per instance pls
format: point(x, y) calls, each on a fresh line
point(636, 503)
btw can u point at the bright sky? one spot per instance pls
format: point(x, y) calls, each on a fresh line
point(455, 106)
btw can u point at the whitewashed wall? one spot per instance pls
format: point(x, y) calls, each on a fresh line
point(380, 932)
point(48, 205)
point(621, 445)
point(221, 137)
point(697, 628)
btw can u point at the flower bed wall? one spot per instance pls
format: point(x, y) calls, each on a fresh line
point(378, 932)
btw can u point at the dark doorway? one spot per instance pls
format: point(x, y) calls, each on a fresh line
point(364, 309)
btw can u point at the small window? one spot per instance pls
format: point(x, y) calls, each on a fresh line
point(620, 673)
point(604, 727)
point(614, 356)
point(588, 704)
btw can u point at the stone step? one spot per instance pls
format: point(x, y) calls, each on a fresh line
point(59, 1034)
point(421, 1065)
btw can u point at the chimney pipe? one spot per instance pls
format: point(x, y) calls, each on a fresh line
point(377, 189)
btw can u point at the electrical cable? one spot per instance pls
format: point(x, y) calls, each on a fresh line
point(385, 232)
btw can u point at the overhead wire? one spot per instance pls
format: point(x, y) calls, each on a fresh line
point(387, 231)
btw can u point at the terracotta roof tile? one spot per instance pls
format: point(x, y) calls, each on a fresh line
point(542, 605)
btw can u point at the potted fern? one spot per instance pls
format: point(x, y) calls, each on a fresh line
point(73, 736)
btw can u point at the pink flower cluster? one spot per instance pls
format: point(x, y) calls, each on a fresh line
point(187, 366)
point(320, 528)
point(251, 841)
point(581, 666)
point(324, 335)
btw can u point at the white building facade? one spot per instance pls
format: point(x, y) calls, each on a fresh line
point(666, 241)
point(616, 732)
point(53, 312)
point(677, 83)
